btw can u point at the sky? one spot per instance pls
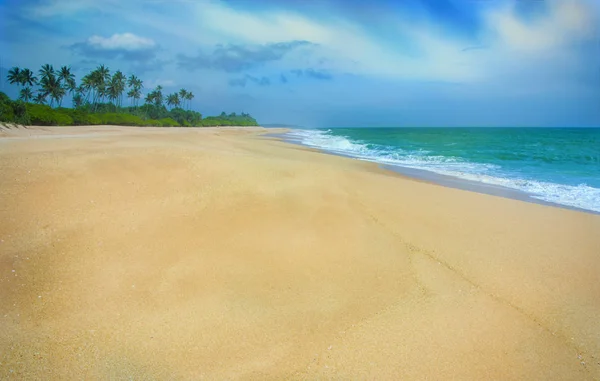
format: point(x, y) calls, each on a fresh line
point(333, 62)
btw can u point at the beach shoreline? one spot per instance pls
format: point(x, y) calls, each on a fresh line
point(448, 180)
point(223, 253)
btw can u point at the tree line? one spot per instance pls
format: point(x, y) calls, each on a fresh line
point(98, 99)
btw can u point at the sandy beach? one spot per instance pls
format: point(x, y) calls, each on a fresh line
point(221, 253)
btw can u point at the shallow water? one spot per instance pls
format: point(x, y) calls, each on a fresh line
point(552, 165)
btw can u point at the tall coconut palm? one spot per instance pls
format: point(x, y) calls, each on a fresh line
point(158, 96)
point(99, 80)
point(27, 78)
point(132, 80)
point(68, 79)
point(183, 95)
point(86, 87)
point(102, 73)
point(173, 100)
point(95, 83)
point(51, 86)
point(149, 98)
point(102, 92)
point(26, 94)
point(15, 76)
point(135, 89)
point(65, 75)
point(113, 90)
point(135, 94)
point(46, 71)
point(189, 98)
point(118, 81)
point(77, 99)
point(58, 94)
point(138, 85)
point(40, 98)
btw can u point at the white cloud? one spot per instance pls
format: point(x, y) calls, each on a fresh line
point(260, 27)
point(65, 8)
point(347, 47)
point(350, 47)
point(511, 43)
point(566, 22)
point(125, 41)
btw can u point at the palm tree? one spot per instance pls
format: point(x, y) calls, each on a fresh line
point(40, 98)
point(135, 89)
point(98, 80)
point(149, 97)
point(104, 71)
point(189, 98)
point(112, 90)
point(65, 75)
point(68, 79)
point(26, 94)
point(132, 80)
point(173, 100)
point(57, 94)
point(158, 96)
point(15, 76)
point(77, 99)
point(86, 87)
point(138, 85)
point(27, 78)
point(102, 92)
point(118, 82)
point(46, 71)
point(50, 86)
point(183, 94)
point(134, 94)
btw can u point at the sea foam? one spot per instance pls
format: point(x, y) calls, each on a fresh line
point(578, 196)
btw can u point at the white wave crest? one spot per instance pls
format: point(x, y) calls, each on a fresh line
point(581, 196)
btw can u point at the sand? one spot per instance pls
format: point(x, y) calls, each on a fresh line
point(190, 254)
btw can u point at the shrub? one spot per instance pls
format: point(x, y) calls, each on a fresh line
point(4, 98)
point(63, 119)
point(7, 113)
point(120, 119)
point(168, 122)
point(145, 115)
point(152, 123)
point(21, 115)
point(94, 120)
point(81, 118)
point(44, 115)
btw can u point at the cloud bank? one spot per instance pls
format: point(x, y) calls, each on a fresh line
point(235, 57)
point(127, 46)
point(494, 62)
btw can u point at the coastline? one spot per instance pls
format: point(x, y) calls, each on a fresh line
point(443, 179)
point(221, 253)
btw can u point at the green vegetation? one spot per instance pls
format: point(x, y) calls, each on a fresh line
point(99, 100)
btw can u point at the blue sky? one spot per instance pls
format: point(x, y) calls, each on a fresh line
point(334, 63)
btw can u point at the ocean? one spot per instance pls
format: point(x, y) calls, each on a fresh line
point(551, 165)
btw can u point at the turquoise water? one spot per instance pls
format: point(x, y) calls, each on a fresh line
point(557, 165)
